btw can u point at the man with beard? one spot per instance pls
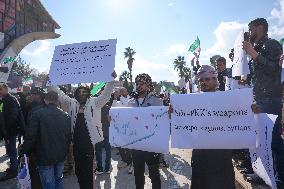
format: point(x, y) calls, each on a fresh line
point(144, 98)
point(211, 168)
point(14, 125)
point(86, 127)
point(34, 102)
point(48, 136)
point(266, 79)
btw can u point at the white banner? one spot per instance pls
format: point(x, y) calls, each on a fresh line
point(232, 84)
point(146, 129)
point(87, 62)
point(213, 120)
point(240, 63)
point(261, 157)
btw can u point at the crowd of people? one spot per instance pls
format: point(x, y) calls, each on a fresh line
point(63, 132)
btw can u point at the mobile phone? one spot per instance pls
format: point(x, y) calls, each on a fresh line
point(246, 37)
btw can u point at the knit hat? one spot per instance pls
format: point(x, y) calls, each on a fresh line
point(145, 78)
point(206, 71)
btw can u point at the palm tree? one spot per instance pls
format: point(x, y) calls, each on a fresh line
point(187, 73)
point(129, 54)
point(179, 65)
point(124, 77)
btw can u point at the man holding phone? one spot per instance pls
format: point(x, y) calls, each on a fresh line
point(266, 80)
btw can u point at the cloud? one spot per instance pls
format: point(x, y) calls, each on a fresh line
point(158, 71)
point(176, 49)
point(170, 5)
point(225, 34)
point(277, 14)
point(156, 56)
point(37, 48)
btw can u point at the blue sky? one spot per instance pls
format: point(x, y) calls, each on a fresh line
point(158, 30)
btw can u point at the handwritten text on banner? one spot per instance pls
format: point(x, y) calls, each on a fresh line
point(261, 157)
point(213, 120)
point(83, 62)
point(146, 129)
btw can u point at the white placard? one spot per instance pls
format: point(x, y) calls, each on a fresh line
point(240, 63)
point(146, 129)
point(213, 120)
point(261, 157)
point(87, 62)
point(232, 84)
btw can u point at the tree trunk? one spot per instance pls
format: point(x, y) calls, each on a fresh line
point(131, 83)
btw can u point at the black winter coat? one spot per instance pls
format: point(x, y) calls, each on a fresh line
point(13, 116)
point(3, 132)
point(48, 135)
point(266, 76)
point(105, 121)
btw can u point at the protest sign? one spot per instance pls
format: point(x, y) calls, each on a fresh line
point(232, 84)
point(146, 129)
point(213, 120)
point(86, 62)
point(261, 157)
point(240, 63)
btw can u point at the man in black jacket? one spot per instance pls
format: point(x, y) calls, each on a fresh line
point(14, 120)
point(266, 80)
point(3, 132)
point(48, 135)
point(33, 102)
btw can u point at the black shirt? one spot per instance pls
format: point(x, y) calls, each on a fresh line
point(82, 141)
